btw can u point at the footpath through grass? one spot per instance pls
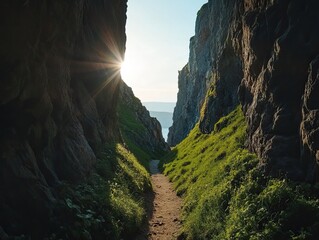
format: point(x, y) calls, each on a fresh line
point(227, 197)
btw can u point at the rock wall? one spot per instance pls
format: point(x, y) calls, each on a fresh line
point(59, 83)
point(209, 81)
point(138, 126)
point(269, 49)
point(280, 53)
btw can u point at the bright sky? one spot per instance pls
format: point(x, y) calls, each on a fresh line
point(158, 33)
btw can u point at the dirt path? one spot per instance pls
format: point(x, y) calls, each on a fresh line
point(164, 222)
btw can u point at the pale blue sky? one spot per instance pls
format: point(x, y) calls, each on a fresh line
point(158, 33)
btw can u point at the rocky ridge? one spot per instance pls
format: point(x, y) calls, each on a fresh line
point(267, 49)
point(144, 130)
point(205, 84)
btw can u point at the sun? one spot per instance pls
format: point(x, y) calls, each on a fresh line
point(126, 69)
point(132, 69)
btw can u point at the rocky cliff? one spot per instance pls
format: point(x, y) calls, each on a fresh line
point(58, 91)
point(140, 131)
point(210, 79)
point(269, 49)
point(279, 87)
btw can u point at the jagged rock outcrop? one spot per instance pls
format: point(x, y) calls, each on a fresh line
point(278, 92)
point(58, 91)
point(270, 49)
point(192, 80)
point(138, 126)
point(210, 79)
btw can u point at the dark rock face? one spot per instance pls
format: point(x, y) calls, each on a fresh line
point(192, 80)
point(210, 79)
point(58, 92)
point(279, 86)
point(269, 49)
point(148, 131)
point(226, 72)
point(310, 123)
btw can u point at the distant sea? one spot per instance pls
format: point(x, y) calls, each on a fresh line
point(163, 111)
point(165, 133)
point(160, 106)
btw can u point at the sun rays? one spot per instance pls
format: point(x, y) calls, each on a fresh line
point(133, 68)
point(129, 69)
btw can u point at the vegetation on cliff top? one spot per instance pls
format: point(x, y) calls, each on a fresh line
point(109, 205)
point(227, 197)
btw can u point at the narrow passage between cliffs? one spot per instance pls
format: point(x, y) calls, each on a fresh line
point(164, 217)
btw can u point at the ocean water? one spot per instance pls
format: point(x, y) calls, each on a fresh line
point(165, 133)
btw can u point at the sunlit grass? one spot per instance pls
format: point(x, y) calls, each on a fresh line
point(110, 205)
point(134, 132)
point(227, 197)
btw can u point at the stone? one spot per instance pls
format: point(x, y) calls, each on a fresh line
point(58, 97)
point(278, 88)
point(149, 137)
point(209, 82)
point(263, 55)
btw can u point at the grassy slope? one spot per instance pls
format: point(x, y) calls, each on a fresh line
point(226, 197)
point(131, 127)
point(110, 205)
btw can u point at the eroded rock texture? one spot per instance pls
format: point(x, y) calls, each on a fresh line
point(58, 90)
point(278, 92)
point(143, 130)
point(269, 48)
point(210, 79)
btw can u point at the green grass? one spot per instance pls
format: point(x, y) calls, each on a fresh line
point(110, 205)
point(227, 197)
point(128, 119)
point(133, 131)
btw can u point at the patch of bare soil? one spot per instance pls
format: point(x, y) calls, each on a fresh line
point(164, 214)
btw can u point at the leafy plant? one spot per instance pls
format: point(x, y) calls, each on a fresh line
point(110, 205)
